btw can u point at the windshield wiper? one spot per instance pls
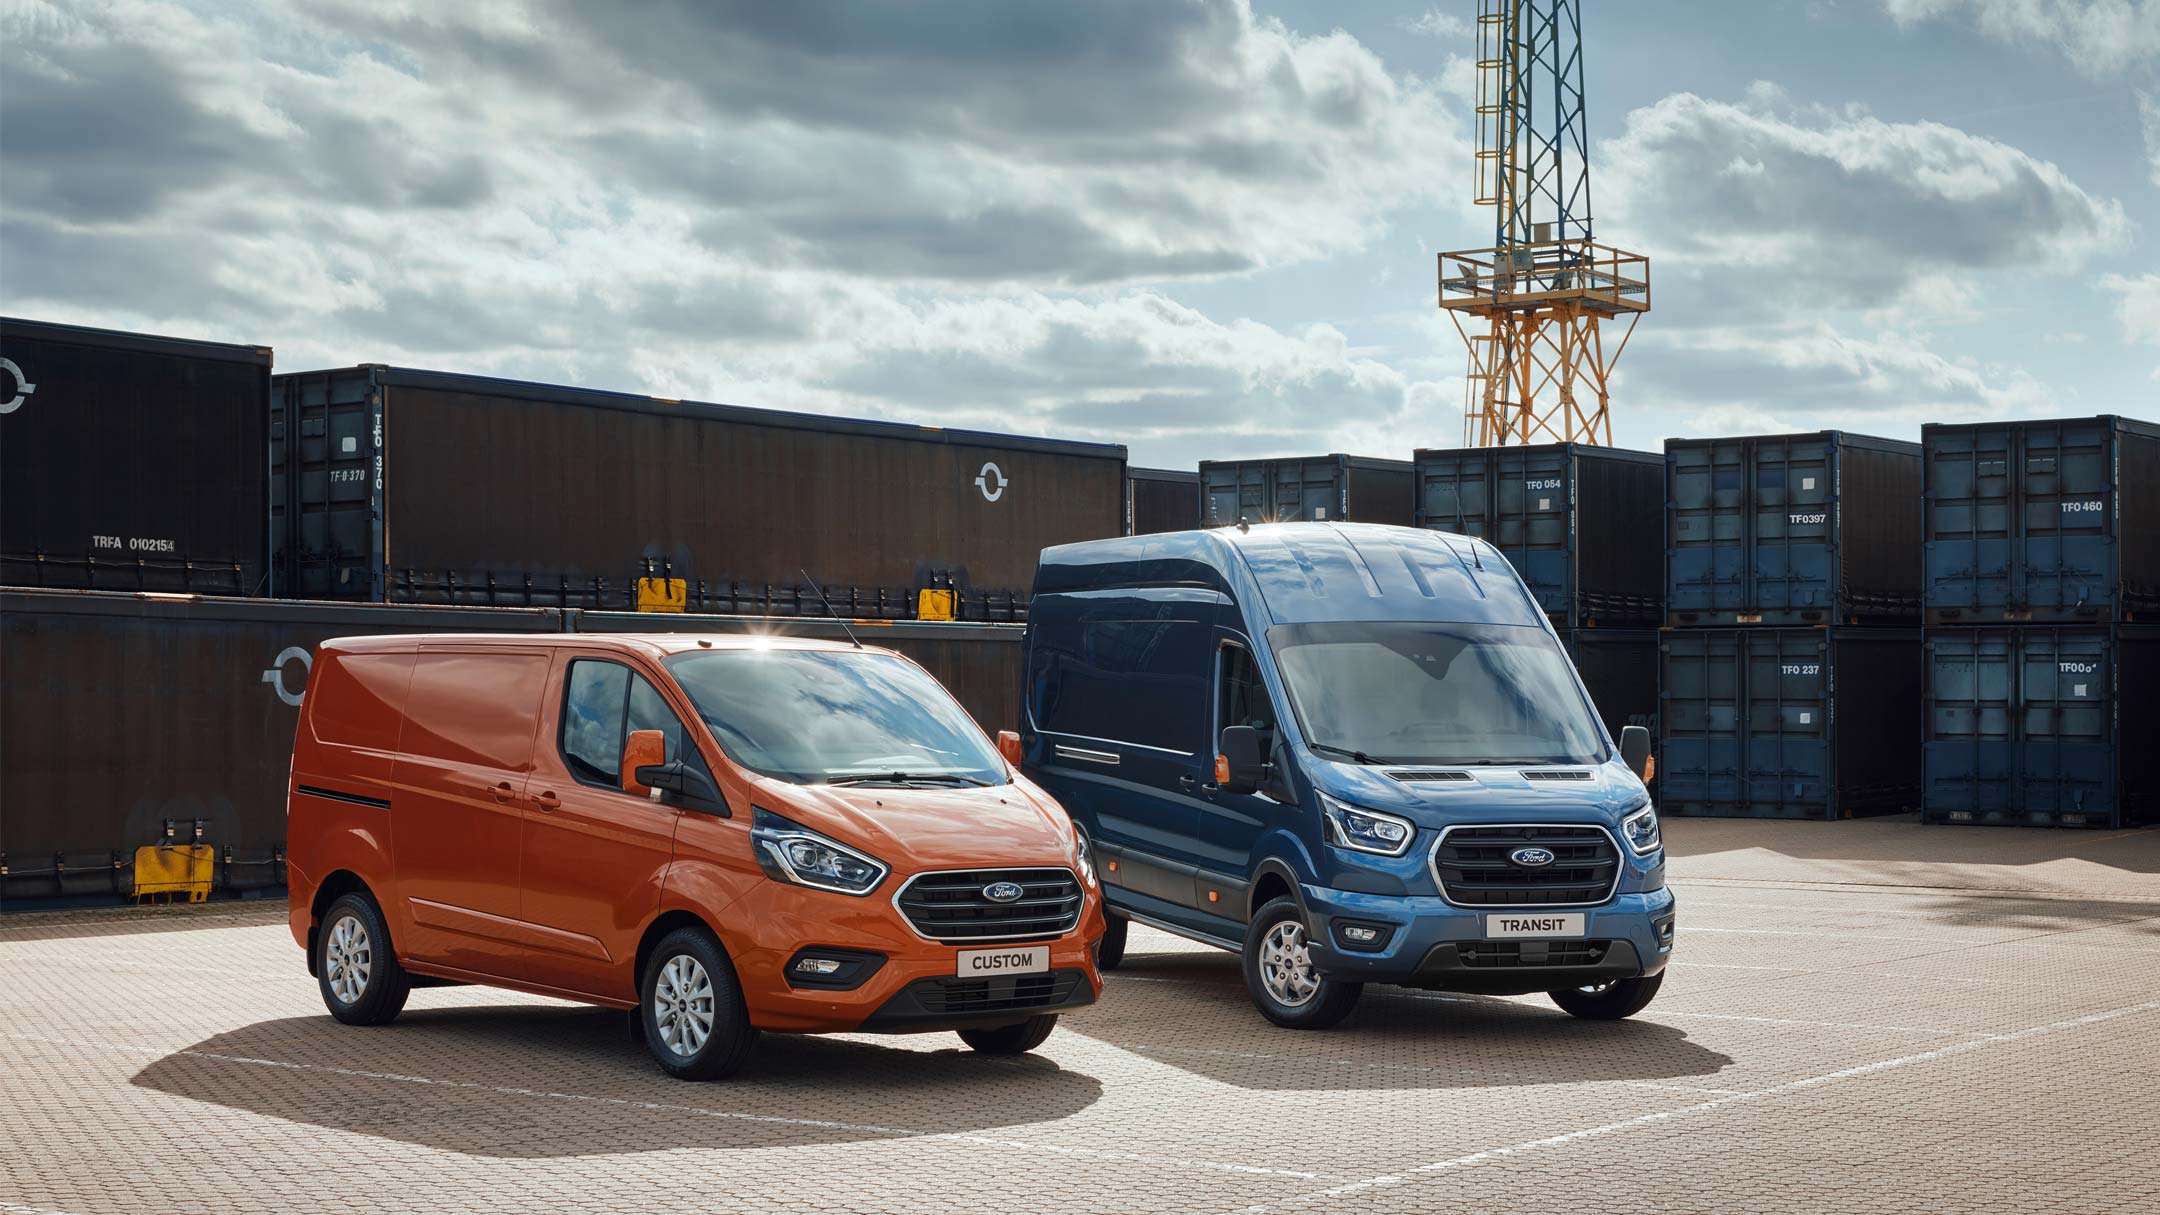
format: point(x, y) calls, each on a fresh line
point(907, 778)
point(1353, 756)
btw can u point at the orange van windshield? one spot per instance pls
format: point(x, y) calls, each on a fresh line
point(836, 717)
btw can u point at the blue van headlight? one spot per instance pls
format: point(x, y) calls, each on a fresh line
point(789, 852)
point(1366, 830)
point(1641, 830)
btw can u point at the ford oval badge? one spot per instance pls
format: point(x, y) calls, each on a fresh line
point(1531, 858)
point(1003, 892)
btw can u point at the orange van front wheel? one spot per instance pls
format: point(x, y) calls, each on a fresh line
point(695, 1023)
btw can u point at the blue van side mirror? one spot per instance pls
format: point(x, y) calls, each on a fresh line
point(1241, 765)
point(1635, 748)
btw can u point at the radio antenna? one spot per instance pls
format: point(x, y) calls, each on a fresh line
point(829, 607)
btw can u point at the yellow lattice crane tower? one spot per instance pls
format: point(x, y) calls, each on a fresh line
point(1539, 366)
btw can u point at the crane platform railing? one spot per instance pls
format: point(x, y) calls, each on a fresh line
point(1600, 278)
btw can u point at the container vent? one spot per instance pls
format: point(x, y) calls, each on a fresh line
point(1557, 774)
point(1418, 776)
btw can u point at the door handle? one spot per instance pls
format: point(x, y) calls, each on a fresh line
point(546, 800)
point(503, 792)
point(1185, 782)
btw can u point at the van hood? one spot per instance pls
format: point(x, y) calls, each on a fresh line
point(914, 830)
point(1520, 792)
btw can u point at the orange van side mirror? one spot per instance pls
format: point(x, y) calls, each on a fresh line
point(642, 749)
point(1009, 746)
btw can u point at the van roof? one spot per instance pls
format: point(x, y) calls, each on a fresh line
point(1310, 571)
point(657, 645)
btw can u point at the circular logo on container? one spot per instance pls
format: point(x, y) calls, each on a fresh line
point(14, 386)
point(1003, 892)
point(1531, 858)
point(275, 675)
point(991, 481)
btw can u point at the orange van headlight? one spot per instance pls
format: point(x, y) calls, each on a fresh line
point(789, 852)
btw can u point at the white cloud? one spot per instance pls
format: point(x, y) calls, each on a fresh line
point(1436, 23)
point(1821, 208)
point(2149, 119)
point(2098, 37)
point(2138, 309)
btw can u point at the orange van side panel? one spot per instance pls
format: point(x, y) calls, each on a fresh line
point(346, 743)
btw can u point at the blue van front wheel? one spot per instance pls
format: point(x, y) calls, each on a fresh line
point(1279, 973)
point(1110, 950)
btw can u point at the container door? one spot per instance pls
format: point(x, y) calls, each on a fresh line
point(1793, 564)
point(1787, 685)
point(1455, 493)
point(2068, 569)
point(1118, 692)
point(1536, 493)
point(1707, 567)
point(1699, 763)
point(1970, 764)
point(466, 754)
point(326, 478)
point(1231, 824)
point(1969, 515)
point(2066, 694)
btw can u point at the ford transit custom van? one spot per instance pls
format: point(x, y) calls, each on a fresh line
point(728, 834)
point(1351, 753)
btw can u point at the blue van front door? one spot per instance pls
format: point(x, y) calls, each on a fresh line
point(1230, 825)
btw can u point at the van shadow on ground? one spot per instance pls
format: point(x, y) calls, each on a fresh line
point(1190, 1011)
point(542, 1082)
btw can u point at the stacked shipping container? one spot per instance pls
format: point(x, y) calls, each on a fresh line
point(1582, 525)
point(1790, 676)
point(1318, 489)
point(2042, 559)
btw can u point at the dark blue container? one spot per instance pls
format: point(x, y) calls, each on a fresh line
point(1316, 489)
point(1583, 525)
point(2043, 725)
point(1805, 529)
point(2041, 522)
point(1619, 667)
point(1789, 723)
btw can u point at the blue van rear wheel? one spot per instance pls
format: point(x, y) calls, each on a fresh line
point(1280, 977)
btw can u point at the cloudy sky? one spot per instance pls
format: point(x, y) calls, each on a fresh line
point(1204, 228)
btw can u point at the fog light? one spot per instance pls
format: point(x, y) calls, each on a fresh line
point(1359, 934)
point(831, 967)
point(1360, 937)
point(817, 966)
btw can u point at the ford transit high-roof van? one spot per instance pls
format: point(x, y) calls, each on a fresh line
point(1353, 753)
point(729, 834)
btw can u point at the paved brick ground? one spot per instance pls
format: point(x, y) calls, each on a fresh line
point(1864, 1017)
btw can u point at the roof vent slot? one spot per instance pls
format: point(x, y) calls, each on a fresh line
point(1557, 774)
point(1419, 776)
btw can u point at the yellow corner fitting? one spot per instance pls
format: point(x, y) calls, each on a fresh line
point(174, 870)
point(939, 604)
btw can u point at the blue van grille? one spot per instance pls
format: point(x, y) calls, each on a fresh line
point(1473, 867)
point(951, 905)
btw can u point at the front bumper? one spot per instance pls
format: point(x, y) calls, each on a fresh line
point(1434, 944)
point(775, 923)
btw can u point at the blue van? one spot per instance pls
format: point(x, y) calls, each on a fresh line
point(1354, 754)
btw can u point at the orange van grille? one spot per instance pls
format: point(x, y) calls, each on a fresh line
point(954, 905)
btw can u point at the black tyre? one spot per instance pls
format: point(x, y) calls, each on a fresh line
point(692, 1008)
point(1612, 1001)
point(1110, 951)
point(1010, 1039)
point(357, 970)
point(1280, 977)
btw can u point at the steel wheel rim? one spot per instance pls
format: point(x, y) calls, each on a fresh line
point(683, 1005)
point(1286, 968)
point(1597, 989)
point(348, 960)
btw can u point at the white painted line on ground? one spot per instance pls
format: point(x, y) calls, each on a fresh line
point(1692, 929)
point(47, 959)
point(672, 1108)
point(1628, 1124)
point(12, 1208)
point(1865, 974)
point(1361, 1065)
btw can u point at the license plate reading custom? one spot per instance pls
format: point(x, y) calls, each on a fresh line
point(983, 963)
point(1568, 925)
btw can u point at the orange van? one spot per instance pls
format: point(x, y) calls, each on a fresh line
point(728, 834)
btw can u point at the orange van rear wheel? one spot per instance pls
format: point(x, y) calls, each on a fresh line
point(361, 981)
point(695, 1023)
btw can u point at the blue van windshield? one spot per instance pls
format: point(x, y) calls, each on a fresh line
point(1415, 692)
point(835, 717)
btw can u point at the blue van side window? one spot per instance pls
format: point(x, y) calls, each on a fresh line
point(1120, 669)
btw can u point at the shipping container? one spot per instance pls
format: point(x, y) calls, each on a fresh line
point(122, 713)
point(1808, 529)
point(1583, 525)
point(1161, 500)
point(1319, 489)
point(2054, 521)
point(418, 486)
point(2043, 725)
point(1789, 722)
point(124, 716)
point(132, 462)
point(1620, 669)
